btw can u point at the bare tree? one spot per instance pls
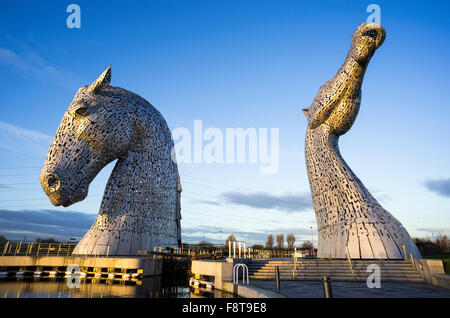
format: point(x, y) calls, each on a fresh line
point(280, 241)
point(205, 245)
point(307, 245)
point(231, 238)
point(269, 242)
point(290, 240)
point(443, 242)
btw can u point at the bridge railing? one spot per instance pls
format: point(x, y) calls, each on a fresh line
point(35, 249)
point(23, 248)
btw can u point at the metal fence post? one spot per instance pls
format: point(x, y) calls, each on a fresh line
point(327, 287)
point(6, 248)
point(277, 277)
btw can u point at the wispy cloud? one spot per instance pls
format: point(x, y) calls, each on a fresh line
point(62, 225)
point(30, 64)
point(287, 202)
point(380, 196)
point(47, 223)
point(439, 186)
point(209, 202)
point(435, 230)
point(22, 140)
point(214, 234)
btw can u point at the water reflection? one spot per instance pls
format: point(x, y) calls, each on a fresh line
point(147, 287)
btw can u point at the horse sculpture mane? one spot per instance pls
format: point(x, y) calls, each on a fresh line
point(349, 219)
point(140, 208)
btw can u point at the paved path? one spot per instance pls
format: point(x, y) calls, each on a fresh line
point(314, 289)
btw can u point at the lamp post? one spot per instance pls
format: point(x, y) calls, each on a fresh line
point(312, 241)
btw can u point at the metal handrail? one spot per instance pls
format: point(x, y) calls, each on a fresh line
point(349, 259)
point(236, 274)
point(35, 249)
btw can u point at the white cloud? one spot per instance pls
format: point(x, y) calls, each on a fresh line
point(30, 64)
point(288, 202)
point(22, 140)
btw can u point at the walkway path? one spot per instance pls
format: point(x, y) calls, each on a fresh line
point(341, 289)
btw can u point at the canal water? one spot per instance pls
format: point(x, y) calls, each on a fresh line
point(59, 287)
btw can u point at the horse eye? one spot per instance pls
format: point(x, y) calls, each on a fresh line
point(82, 111)
point(372, 34)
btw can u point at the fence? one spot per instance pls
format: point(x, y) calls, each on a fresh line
point(36, 249)
point(192, 250)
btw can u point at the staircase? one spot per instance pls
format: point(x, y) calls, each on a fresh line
point(339, 270)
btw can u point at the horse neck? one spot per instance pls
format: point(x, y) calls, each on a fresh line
point(329, 175)
point(143, 178)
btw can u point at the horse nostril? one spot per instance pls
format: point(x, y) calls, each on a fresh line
point(53, 182)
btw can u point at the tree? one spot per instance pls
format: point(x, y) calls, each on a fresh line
point(307, 245)
point(269, 242)
point(231, 238)
point(257, 247)
point(204, 245)
point(427, 246)
point(47, 240)
point(280, 241)
point(3, 239)
point(290, 240)
point(443, 242)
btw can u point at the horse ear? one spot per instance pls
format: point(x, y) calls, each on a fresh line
point(102, 81)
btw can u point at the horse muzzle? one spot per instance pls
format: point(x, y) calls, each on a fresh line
point(54, 189)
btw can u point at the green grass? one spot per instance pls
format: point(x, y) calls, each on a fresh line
point(438, 256)
point(446, 263)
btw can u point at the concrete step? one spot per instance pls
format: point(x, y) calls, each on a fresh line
point(329, 269)
point(315, 272)
point(327, 262)
point(342, 278)
point(331, 261)
point(393, 270)
point(338, 272)
point(319, 276)
point(329, 266)
point(357, 266)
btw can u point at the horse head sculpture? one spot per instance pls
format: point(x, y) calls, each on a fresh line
point(140, 206)
point(350, 221)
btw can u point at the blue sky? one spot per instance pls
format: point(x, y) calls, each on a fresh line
point(232, 64)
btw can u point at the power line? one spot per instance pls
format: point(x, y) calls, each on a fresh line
point(182, 175)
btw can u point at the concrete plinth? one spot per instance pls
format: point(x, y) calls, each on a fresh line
point(139, 266)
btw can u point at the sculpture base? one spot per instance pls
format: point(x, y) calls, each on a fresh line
point(128, 244)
